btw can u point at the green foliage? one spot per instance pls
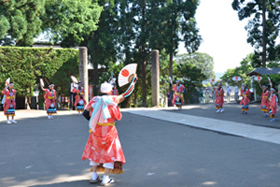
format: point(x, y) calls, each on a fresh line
point(25, 66)
point(191, 76)
point(241, 71)
point(20, 20)
point(202, 60)
point(70, 21)
point(263, 26)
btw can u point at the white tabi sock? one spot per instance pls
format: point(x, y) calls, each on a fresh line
point(105, 179)
point(94, 176)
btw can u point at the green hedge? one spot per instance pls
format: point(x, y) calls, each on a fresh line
point(26, 65)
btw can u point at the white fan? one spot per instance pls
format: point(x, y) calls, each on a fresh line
point(236, 78)
point(74, 79)
point(7, 81)
point(269, 81)
point(126, 74)
point(259, 78)
point(42, 82)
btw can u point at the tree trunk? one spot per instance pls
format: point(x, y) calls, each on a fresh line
point(144, 85)
point(264, 35)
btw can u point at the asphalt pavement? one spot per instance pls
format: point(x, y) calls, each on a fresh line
point(47, 153)
point(232, 112)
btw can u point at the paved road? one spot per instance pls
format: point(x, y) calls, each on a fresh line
point(42, 153)
point(232, 113)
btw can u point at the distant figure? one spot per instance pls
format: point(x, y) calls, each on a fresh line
point(72, 95)
point(200, 96)
point(228, 93)
point(207, 96)
point(236, 92)
point(219, 102)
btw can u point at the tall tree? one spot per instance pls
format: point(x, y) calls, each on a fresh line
point(201, 60)
point(263, 27)
point(69, 21)
point(20, 21)
point(180, 26)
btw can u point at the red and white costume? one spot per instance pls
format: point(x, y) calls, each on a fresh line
point(179, 90)
point(219, 102)
point(78, 98)
point(265, 101)
point(50, 97)
point(273, 106)
point(245, 99)
point(103, 145)
point(9, 103)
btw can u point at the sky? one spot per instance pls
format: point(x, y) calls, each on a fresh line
point(224, 36)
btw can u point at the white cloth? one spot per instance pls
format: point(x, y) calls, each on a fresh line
point(105, 165)
point(73, 85)
point(81, 102)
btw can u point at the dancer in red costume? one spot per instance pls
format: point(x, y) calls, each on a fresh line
point(50, 98)
point(219, 102)
point(273, 106)
point(80, 101)
point(245, 93)
point(9, 102)
point(264, 99)
point(103, 147)
point(179, 90)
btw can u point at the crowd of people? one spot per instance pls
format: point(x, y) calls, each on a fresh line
point(269, 100)
point(103, 148)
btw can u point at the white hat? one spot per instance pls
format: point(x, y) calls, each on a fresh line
point(106, 87)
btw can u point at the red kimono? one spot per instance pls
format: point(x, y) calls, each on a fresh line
point(80, 102)
point(50, 101)
point(245, 99)
point(219, 102)
point(179, 90)
point(265, 101)
point(103, 145)
point(273, 107)
point(9, 103)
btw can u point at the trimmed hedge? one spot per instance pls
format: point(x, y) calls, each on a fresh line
point(26, 65)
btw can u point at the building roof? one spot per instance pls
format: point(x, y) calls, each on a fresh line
point(264, 71)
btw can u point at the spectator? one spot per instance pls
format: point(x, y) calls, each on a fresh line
point(207, 96)
point(236, 92)
point(228, 93)
point(72, 95)
point(200, 96)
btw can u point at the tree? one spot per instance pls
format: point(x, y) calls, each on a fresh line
point(191, 77)
point(241, 71)
point(69, 21)
point(179, 25)
point(262, 32)
point(20, 21)
point(201, 60)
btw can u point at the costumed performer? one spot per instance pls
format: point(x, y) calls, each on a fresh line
point(80, 101)
point(179, 90)
point(103, 147)
point(9, 102)
point(245, 101)
point(273, 106)
point(219, 102)
point(114, 89)
point(50, 98)
point(264, 99)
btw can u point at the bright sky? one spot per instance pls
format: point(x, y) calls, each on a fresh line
point(224, 36)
